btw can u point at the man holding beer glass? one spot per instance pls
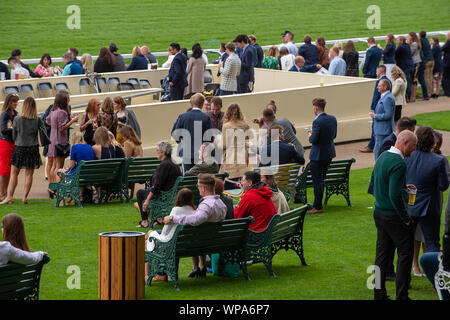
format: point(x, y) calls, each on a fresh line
point(394, 226)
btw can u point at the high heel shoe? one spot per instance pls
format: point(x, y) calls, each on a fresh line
point(7, 201)
point(51, 194)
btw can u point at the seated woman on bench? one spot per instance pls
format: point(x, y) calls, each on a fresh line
point(15, 247)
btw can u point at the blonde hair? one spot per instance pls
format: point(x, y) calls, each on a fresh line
point(29, 108)
point(113, 140)
point(101, 137)
point(396, 73)
point(233, 113)
point(88, 64)
point(77, 138)
point(136, 51)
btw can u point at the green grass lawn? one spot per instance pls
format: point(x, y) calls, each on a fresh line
point(339, 247)
point(437, 120)
point(37, 27)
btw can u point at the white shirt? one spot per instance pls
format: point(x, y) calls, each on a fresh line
point(8, 253)
point(397, 151)
point(19, 70)
point(168, 62)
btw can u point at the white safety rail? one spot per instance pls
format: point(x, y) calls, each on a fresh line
point(298, 44)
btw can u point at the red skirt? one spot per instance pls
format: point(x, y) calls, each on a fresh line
point(6, 152)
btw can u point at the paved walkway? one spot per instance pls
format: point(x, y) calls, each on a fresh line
point(347, 150)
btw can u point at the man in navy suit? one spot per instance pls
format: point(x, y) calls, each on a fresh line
point(381, 74)
point(247, 74)
point(177, 74)
point(324, 130)
point(299, 66)
point(189, 131)
point(373, 57)
point(309, 51)
point(383, 115)
point(403, 123)
point(279, 152)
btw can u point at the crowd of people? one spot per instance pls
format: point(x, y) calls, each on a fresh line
point(407, 161)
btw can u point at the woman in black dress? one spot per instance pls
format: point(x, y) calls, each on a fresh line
point(350, 57)
point(105, 61)
point(89, 121)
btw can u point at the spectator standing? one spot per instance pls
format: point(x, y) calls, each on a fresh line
point(271, 61)
point(427, 60)
point(107, 118)
point(287, 60)
point(404, 60)
point(87, 63)
point(89, 121)
point(373, 57)
point(177, 73)
point(398, 91)
point(119, 64)
point(338, 67)
point(6, 141)
point(195, 72)
point(309, 51)
point(259, 51)
point(288, 38)
point(138, 62)
point(230, 70)
point(446, 73)
point(418, 74)
point(404, 123)
point(26, 128)
point(125, 116)
point(247, 74)
point(105, 61)
point(322, 48)
point(216, 114)
point(170, 56)
point(351, 58)
point(438, 68)
point(389, 54)
point(394, 226)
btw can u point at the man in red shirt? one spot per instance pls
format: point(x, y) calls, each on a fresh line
point(256, 202)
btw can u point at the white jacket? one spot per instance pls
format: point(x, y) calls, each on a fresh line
point(8, 253)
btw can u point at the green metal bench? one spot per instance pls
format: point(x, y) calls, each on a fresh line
point(336, 181)
point(163, 204)
point(285, 231)
point(228, 238)
point(108, 172)
point(138, 170)
point(21, 282)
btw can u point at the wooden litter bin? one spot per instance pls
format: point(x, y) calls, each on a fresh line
point(121, 266)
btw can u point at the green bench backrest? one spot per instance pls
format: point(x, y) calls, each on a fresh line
point(338, 171)
point(139, 170)
point(212, 237)
point(190, 182)
point(288, 224)
point(18, 281)
point(100, 171)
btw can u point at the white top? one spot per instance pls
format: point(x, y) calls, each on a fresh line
point(20, 70)
point(8, 253)
point(168, 229)
point(168, 62)
point(287, 62)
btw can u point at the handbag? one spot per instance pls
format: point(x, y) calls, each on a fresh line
point(43, 137)
point(62, 150)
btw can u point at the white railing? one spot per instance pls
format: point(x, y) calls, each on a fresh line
point(298, 44)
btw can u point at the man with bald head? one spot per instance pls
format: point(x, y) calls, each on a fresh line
point(146, 53)
point(299, 66)
point(394, 226)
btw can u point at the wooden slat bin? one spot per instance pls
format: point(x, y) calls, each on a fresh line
point(121, 266)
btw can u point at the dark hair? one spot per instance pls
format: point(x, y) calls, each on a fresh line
point(436, 40)
point(251, 38)
point(74, 51)
point(113, 47)
point(307, 39)
point(268, 114)
point(128, 133)
point(271, 183)
point(272, 103)
point(14, 230)
point(10, 98)
point(120, 101)
point(208, 180)
point(61, 102)
point(184, 51)
point(222, 46)
point(185, 197)
point(241, 38)
point(350, 46)
point(218, 186)
point(106, 54)
point(423, 34)
point(253, 176)
point(406, 123)
point(16, 52)
point(321, 41)
point(425, 139)
point(371, 40)
point(319, 103)
point(45, 55)
point(402, 39)
point(382, 67)
point(175, 46)
point(197, 51)
point(12, 59)
point(217, 101)
point(438, 137)
point(390, 36)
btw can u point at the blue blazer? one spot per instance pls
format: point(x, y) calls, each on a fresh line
point(286, 154)
point(311, 68)
point(177, 71)
point(324, 131)
point(310, 53)
point(373, 57)
point(383, 123)
point(186, 123)
point(247, 67)
point(138, 63)
point(428, 172)
point(376, 95)
point(403, 57)
point(389, 54)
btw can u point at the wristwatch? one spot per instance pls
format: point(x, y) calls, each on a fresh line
point(171, 218)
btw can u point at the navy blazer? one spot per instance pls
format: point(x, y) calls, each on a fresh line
point(260, 55)
point(428, 172)
point(376, 95)
point(389, 54)
point(383, 123)
point(247, 73)
point(446, 51)
point(373, 57)
point(403, 57)
point(388, 142)
point(177, 71)
point(138, 63)
point(286, 154)
point(187, 122)
point(324, 131)
point(311, 68)
point(310, 53)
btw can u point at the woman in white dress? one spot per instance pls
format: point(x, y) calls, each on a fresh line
point(287, 60)
point(184, 205)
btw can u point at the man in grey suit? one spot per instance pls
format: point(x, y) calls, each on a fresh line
point(383, 115)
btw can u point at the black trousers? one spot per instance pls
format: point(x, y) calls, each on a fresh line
point(446, 81)
point(318, 172)
point(392, 232)
point(141, 196)
point(176, 93)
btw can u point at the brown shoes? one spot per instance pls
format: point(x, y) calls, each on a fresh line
point(314, 211)
point(366, 150)
point(159, 278)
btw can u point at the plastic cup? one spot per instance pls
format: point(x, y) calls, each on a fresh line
point(2, 76)
point(412, 196)
point(16, 76)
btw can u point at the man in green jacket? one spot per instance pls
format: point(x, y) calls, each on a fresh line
point(394, 226)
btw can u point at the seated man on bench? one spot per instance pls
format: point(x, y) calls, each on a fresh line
point(210, 209)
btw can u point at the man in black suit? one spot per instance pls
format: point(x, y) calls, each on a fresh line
point(189, 131)
point(247, 74)
point(177, 74)
point(17, 54)
point(321, 137)
point(5, 70)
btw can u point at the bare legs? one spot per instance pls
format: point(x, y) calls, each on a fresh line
point(4, 182)
point(13, 184)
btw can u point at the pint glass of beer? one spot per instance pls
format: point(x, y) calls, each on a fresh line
point(412, 195)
